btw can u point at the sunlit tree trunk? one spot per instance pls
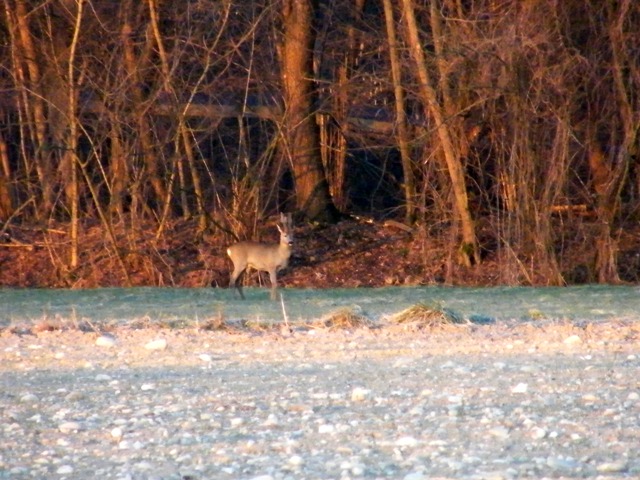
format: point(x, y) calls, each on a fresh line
point(58, 88)
point(71, 152)
point(6, 203)
point(301, 134)
point(401, 118)
point(469, 251)
point(31, 100)
point(118, 173)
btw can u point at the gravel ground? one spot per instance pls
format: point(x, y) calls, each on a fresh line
point(525, 400)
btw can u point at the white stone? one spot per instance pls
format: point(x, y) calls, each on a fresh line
point(159, 344)
point(37, 418)
point(326, 428)
point(74, 396)
point(237, 421)
point(415, 476)
point(124, 445)
point(359, 394)
point(105, 341)
point(406, 442)
point(271, 421)
point(29, 398)
point(562, 463)
point(612, 467)
point(296, 461)
point(357, 470)
point(538, 433)
point(520, 388)
point(572, 340)
point(499, 432)
point(144, 465)
point(69, 427)
point(64, 470)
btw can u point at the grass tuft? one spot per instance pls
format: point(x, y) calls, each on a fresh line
point(259, 325)
point(215, 324)
point(421, 316)
point(343, 318)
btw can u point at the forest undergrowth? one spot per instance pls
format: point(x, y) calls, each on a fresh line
point(352, 253)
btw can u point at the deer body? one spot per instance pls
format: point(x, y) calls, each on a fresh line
point(264, 257)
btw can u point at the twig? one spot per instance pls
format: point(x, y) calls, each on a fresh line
point(28, 246)
point(284, 313)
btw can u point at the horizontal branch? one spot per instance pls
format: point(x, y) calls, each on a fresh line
point(380, 121)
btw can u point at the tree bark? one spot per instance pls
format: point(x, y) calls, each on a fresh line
point(33, 105)
point(71, 154)
point(6, 203)
point(301, 133)
point(401, 117)
point(469, 252)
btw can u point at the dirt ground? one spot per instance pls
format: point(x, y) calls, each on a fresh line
point(545, 399)
point(353, 253)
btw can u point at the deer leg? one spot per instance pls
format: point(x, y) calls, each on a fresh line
point(274, 284)
point(234, 282)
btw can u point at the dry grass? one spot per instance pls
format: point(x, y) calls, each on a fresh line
point(220, 324)
point(343, 318)
point(426, 317)
point(259, 325)
point(215, 324)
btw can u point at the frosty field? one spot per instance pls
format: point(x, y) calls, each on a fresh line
point(191, 305)
point(540, 383)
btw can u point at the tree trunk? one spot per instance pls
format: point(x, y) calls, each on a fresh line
point(469, 252)
point(6, 204)
point(609, 177)
point(401, 118)
point(301, 133)
point(71, 155)
point(133, 65)
point(118, 174)
point(24, 52)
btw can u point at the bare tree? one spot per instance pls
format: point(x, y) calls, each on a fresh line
point(30, 98)
point(518, 111)
point(401, 117)
point(6, 202)
point(301, 134)
point(469, 251)
point(70, 159)
point(610, 164)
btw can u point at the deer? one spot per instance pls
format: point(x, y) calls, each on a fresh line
point(264, 257)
